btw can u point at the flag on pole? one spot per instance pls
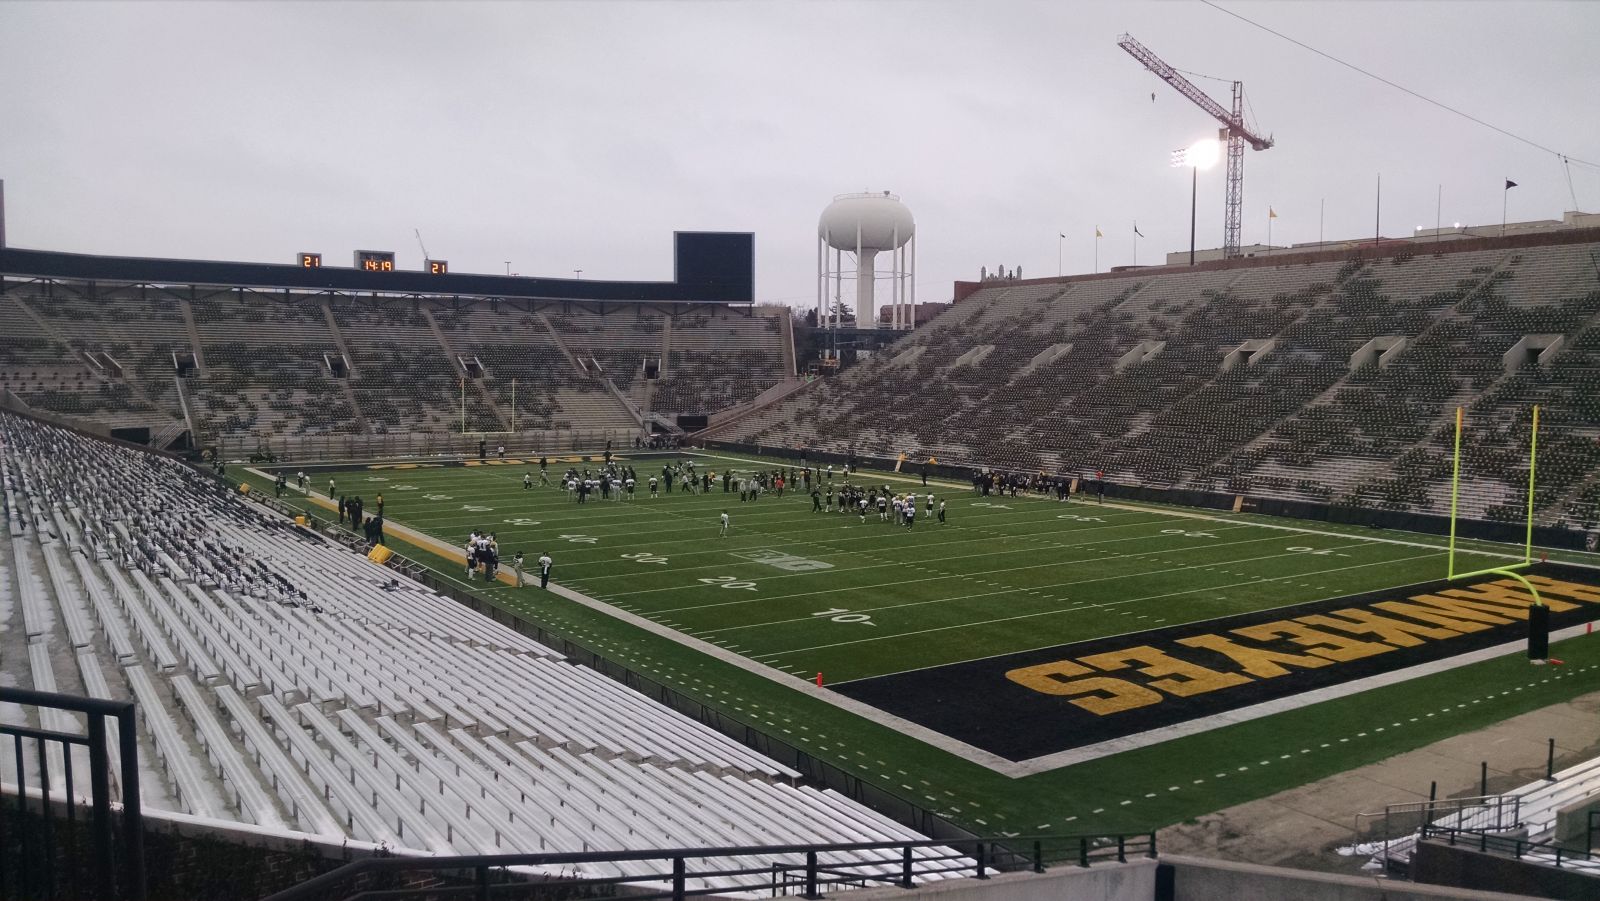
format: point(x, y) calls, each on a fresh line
point(1510, 184)
point(1272, 213)
point(1063, 235)
point(1097, 232)
point(1136, 228)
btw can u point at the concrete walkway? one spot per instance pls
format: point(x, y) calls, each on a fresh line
point(1303, 826)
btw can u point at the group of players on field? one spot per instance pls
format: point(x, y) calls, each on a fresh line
point(900, 509)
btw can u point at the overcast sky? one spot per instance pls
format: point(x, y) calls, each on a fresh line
point(566, 136)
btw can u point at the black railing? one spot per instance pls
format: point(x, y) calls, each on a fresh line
point(1506, 845)
point(681, 873)
point(42, 857)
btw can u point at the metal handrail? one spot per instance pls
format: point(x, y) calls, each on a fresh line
point(1490, 843)
point(810, 876)
point(105, 870)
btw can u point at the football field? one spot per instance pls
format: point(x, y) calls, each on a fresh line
point(809, 592)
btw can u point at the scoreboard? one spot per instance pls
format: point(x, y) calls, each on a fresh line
point(372, 261)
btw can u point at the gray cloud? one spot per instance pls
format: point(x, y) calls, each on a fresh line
point(579, 135)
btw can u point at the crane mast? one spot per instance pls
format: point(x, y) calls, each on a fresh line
point(1234, 132)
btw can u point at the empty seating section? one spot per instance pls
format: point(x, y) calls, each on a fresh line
point(268, 363)
point(719, 360)
point(284, 682)
point(45, 373)
point(404, 381)
point(621, 342)
point(266, 366)
point(1240, 380)
point(551, 393)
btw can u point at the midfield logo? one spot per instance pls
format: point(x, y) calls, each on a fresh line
point(785, 561)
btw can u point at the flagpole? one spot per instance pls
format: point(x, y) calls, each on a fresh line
point(1135, 242)
point(1377, 215)
point(1097, 249)
point(1505, 198)
point(1438, 206)
point(1269, 227)
point(1322, 211)
point(1060, 240)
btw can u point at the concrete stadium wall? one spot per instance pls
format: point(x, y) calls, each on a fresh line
point(1183, 879)
point(1195, 879)
point(1132, 881)
point(1443, 865)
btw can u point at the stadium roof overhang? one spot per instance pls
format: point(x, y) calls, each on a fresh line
point(709, 267)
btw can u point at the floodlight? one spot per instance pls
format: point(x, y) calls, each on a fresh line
point(1203, 154)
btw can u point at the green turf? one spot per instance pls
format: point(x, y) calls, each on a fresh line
point(1032, 551)
point(1001, 575)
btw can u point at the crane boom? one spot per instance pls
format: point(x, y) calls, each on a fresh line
point(1237, 135)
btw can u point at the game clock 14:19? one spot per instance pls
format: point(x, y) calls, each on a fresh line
point(375, 260)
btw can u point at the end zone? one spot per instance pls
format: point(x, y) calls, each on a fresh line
point(1052, 707)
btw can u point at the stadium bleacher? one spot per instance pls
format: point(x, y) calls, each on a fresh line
point(286, 683)
point(266, 362)
point(1241, 380)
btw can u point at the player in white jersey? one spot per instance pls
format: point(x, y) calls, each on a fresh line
point(930, 503)
point(527, 481)
point(629, 484)
point(724, 532)
point(862, 506)
point(653, 487)
point(572, 488)
point(911, 515)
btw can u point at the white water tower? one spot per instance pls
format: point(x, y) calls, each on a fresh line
point(865, 225)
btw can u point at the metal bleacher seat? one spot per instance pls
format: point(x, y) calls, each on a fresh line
point(191, 788)
point(247, 795)
point(150, 635)
point(317, 697)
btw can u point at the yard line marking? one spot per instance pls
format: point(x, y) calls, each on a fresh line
point(1007, 589)
point(970, 625)
point(1175, 568)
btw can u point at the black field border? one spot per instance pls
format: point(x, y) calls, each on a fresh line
point(975, 703)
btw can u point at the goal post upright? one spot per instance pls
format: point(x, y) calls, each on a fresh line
point(1538, 615)
point(1455, 493)
point(1533, 462)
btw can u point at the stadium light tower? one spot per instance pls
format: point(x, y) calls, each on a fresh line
point(1199, 155)
point(864, 225)
point(1234, 132)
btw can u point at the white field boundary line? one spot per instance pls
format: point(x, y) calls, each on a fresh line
point(1108, 747)
point(1037, 588)
point(1153, 597)
point(805, 686)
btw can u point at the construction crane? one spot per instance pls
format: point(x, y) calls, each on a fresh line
point(1233, 132)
